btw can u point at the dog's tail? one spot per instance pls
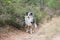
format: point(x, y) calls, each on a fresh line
point(35, 25)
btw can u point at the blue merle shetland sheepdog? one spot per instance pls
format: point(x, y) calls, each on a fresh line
point(30, 23)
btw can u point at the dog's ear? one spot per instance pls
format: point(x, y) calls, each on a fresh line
point(31, 13)
point(26, 13)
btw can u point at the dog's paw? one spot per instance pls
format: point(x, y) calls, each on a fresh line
point(31, 32)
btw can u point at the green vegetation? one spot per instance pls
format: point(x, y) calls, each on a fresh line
point(12, 11)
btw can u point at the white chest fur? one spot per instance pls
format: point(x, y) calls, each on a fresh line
point(28, 20)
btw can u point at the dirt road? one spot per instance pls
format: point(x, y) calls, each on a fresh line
point(46, 31)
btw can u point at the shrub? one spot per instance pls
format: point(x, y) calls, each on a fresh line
point(12, 13)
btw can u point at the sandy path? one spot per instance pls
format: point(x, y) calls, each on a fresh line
point(45, 32)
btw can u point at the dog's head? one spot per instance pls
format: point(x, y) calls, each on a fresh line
point(29, 14)
point(29, 18)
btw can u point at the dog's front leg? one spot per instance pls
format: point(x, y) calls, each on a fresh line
point(27, 28)
point(31, 31)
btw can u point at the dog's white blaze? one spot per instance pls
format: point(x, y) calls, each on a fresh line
point(29, 13)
